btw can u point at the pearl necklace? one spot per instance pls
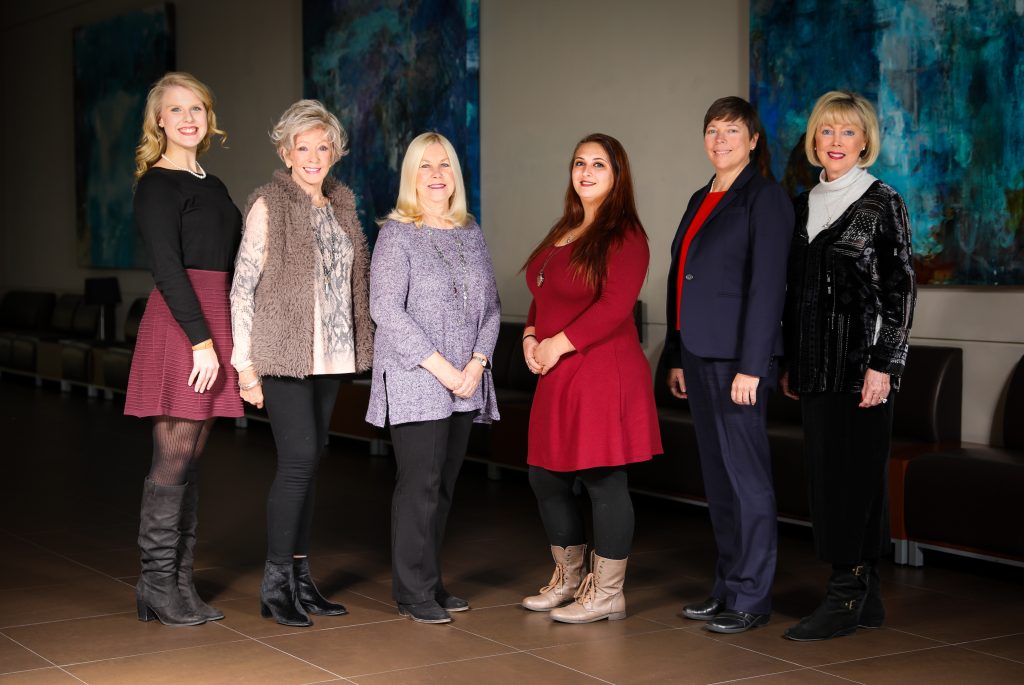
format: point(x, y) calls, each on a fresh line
point(201, 175)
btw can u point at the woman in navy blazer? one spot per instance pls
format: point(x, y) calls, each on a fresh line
point(726, 289)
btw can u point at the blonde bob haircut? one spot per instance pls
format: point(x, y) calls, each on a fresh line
point(153, 142)
point(407, 210)
point(306, 115)
point(844, 107)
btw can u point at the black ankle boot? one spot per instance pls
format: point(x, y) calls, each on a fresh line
point(309, 597)
point(156, 594)
point(186, 556)
point(839, 613)
point(279, 596)
point(873, 613)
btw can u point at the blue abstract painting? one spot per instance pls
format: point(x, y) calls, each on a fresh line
point(947, 78)
point(116, 63)
point(390, 70)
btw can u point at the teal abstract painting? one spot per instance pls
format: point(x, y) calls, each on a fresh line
point(116, 62)
point(390, 70)
point(947, 79)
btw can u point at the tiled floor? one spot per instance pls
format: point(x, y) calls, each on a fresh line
point(69, 493)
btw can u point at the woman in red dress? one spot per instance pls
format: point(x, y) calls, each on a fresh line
point(593, 411)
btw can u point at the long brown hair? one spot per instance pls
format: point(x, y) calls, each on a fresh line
point(615, 218)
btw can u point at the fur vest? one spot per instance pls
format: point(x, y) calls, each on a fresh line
point(282, 328)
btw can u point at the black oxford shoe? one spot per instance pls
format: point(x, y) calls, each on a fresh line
point(425, 612)
point(704, 611)
point(733, 621)
point(450, 602)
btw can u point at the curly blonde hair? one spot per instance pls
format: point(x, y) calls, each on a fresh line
point(153, 141)
point(306, 115)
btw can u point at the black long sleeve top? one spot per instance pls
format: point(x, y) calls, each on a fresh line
point(186, 223)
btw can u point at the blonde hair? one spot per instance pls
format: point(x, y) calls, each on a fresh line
point(407, 209)
point(306, 115)
point(153, 141)
point(844, 107)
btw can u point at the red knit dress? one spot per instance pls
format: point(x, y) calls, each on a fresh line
point(596, 406)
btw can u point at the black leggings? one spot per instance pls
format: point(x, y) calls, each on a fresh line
point(300, 413)
point(177, 445)
point(610, 501)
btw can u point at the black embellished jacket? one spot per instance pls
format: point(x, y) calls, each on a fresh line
point(839, 284)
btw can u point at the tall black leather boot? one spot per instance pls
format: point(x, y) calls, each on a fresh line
point(279, 596)
point(186, 556)
point(839, 613)
point(309, 597)
point(156, 594)
point(873, 613)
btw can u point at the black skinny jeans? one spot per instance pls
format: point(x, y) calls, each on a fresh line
point(300, 413)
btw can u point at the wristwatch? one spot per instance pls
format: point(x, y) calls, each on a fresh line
point(484, 361)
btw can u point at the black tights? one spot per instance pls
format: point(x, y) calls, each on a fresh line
point(177, 444)
point(611, 505)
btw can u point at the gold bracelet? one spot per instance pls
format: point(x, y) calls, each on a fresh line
point(205, 345)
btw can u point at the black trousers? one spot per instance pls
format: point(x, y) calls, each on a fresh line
point(846, 450)
point(300, 413)
point(429, 455)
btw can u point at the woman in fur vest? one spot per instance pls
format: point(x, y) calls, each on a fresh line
point(301, 320)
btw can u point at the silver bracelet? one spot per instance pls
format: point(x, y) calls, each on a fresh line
point(250, 386)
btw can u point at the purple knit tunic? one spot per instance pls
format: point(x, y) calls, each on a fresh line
point(424, 302)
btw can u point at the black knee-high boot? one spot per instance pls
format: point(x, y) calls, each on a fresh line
point(839, 614)
point(157, 594)
point(186, 556)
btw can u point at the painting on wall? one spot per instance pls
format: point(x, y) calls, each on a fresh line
point(947, 81)
point(116, 63)
point(390, 70)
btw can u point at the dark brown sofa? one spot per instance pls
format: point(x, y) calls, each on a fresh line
point(966, 500)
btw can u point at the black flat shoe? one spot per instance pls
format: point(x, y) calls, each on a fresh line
point(704, 611)
point(425, 612)
point(733, 621)
point(450, 602)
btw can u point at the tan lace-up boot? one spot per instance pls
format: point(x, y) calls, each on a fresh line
point(560, 589)
point(600, 596)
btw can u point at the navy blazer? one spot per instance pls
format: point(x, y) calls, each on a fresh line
point(735, 276)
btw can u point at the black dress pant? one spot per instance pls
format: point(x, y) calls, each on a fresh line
point(429, 455)
point(846, 450)
point(300, 413)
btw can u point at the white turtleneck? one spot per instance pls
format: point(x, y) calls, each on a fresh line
point(829, 199)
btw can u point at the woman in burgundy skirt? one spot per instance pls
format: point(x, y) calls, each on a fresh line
point(180, 375)
point(593, 412)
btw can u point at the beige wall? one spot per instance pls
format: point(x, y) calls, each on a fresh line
point(551, 72)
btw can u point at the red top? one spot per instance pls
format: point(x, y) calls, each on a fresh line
point(706, 207)
point(596, 406)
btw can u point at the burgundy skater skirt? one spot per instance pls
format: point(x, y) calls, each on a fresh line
point(158, 383)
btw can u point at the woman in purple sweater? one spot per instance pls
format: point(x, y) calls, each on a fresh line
point(434, 299)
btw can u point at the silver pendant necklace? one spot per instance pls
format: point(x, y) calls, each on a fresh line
point(570, 236)
point(201, 175)
point(451, 268)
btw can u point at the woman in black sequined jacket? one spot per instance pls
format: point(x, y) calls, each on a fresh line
point(849, 306)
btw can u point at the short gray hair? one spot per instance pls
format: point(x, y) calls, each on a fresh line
point(303, 116)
